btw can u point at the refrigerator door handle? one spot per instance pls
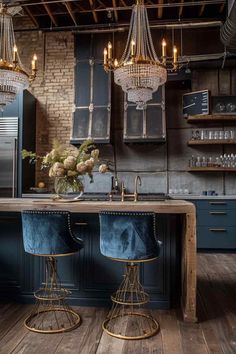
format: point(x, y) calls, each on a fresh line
point(14, 169)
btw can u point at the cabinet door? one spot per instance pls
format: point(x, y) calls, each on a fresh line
point(147, 124)
point(93, 91)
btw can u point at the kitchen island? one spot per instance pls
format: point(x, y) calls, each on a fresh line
point(86, 214)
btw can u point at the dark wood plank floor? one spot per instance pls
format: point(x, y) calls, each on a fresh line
point(214, 333)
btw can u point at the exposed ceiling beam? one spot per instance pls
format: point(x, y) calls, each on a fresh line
point(115, 12)
point(181, 9)
point(49, 13)
point(160, 9)
point(30, 15)
point(202, 8)
point(95, 16)
point(68, 7)
point(164, 5)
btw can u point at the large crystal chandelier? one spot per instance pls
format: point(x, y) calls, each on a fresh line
point(13, 77)
point(139, 71)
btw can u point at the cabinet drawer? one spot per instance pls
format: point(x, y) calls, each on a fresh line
point(217, 217)
point(216, 237)
point(216, 204)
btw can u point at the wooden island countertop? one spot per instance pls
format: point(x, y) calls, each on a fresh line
point(188, 264)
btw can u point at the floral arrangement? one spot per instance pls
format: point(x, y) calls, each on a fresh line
point(67, 164)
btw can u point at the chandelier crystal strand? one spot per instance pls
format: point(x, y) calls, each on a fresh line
point(13, 77)
point(139, 71)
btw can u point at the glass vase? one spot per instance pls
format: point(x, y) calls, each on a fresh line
point(70, 188)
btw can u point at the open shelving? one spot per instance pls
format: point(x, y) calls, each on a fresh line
point(212, 169)
point(201, 118)
point(212, 142)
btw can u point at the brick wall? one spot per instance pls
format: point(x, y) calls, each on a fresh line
point(53, 87)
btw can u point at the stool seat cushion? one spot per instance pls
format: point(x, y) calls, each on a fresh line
point(128, 235)
point(48, 233)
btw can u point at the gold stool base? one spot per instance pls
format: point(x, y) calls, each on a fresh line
point(142, 326)
point(54, 320)
point(127, 318)
point(51, 313)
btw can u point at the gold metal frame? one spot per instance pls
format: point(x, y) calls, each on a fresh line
point(127, 309)
point(51, 313)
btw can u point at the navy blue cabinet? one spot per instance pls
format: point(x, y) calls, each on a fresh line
point(216, 224)
point(90, 276)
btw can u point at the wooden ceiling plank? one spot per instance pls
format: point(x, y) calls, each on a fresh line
point(95, 17)
point(181, 9)
point(160, 9)
point(69, 9)
point(202, 8)
point(49, 13)
point(31, 16)
point(115, 11)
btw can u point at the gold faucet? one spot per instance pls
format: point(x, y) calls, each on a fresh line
point(136, 181)
point(128, 195)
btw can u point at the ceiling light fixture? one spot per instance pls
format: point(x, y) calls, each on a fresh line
point(139, 71)
point(13, 77)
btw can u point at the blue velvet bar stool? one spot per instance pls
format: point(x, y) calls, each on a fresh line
point(48, 234)
point(129, 237)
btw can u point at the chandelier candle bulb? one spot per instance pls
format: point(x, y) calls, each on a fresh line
point(33, 64)
point(105, 56)
point(175, 55)
point(132, 47)
point(14, 53)
point(163, 46)
point(109, 50)
point(116, 63)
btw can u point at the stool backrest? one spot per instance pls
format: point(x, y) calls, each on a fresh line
point(128, 235)
point(48, 233)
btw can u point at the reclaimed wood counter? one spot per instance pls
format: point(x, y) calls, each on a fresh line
point(188, 263)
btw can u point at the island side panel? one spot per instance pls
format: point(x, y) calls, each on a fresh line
point(188, 268)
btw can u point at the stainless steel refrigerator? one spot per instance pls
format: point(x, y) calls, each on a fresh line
point(8, 156)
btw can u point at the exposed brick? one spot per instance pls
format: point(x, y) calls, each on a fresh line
point(54, 85)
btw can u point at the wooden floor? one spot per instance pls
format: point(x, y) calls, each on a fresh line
point(215, 332)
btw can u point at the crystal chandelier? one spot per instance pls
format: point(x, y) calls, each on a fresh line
point(13, 77)
point(139, 71)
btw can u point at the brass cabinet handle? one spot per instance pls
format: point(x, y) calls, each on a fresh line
point(81, 223)
point(217, 213)
point(217, 203)
point(217, 230)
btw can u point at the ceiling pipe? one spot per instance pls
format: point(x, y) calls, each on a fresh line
point(108, 28)
point(121, 8)
point(228, 30)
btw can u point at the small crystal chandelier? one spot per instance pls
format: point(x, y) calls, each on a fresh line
point(139, 71)
point(13, 77)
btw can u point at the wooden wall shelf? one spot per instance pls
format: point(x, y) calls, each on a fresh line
point(211, 118)
point(212, 169)
point(212, 142)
